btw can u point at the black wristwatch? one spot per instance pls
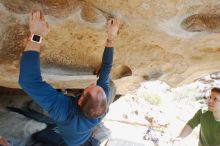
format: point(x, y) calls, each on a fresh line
point(36, 38)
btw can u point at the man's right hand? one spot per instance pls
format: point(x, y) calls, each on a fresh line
point(38, 24)
point(112, 28)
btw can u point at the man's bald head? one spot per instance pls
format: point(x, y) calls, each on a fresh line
point(93, 102)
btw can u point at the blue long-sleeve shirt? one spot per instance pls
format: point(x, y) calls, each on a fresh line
point(73, 126)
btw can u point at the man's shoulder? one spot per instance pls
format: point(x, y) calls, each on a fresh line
point(204, 110)
point(206, 114)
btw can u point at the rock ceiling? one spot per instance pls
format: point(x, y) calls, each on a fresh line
point(176, 41)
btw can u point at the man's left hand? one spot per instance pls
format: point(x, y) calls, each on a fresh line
point(38, 24)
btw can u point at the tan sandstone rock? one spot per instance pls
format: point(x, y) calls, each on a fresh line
point(174, 40)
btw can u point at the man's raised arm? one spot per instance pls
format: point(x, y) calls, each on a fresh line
point(30, 75)
point(107, 58)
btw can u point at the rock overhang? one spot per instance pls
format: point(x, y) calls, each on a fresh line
point(173, 41)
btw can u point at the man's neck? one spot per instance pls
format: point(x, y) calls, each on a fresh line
point(216, 115)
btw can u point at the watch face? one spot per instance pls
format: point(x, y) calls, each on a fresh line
point(36, 38)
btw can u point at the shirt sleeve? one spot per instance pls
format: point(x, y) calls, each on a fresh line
point(105, 70)
point(195, 121)
point(41, 92)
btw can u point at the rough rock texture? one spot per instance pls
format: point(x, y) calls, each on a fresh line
point(172, 40)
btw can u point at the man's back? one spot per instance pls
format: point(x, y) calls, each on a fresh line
point(72, 124)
